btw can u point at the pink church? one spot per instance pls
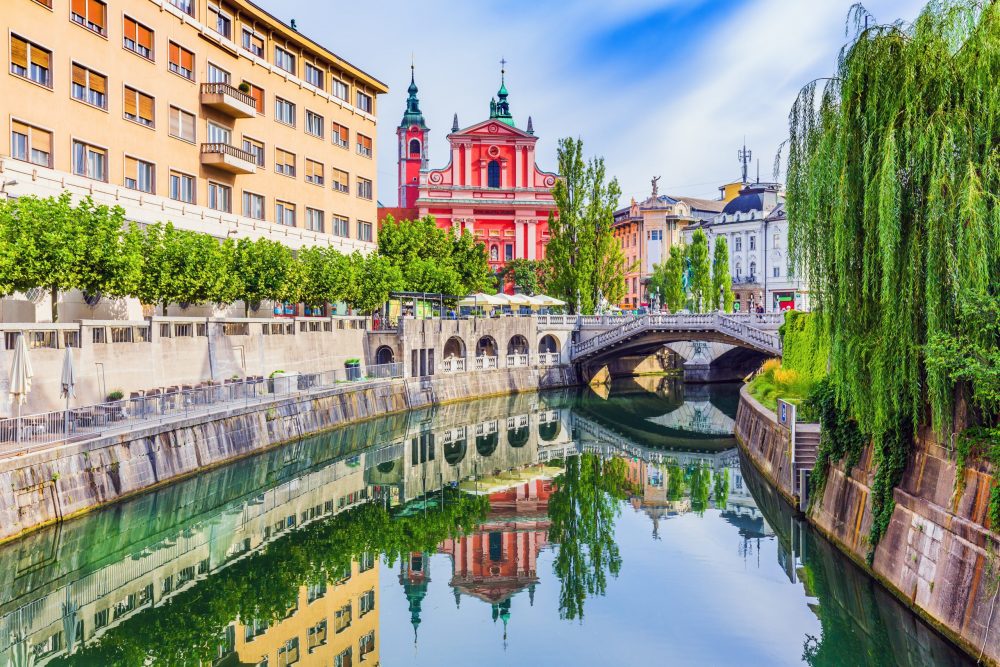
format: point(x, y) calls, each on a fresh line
point(491, 185)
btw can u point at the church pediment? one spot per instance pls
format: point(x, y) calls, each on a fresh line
point(494, 128)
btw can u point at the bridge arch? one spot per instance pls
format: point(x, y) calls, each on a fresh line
point(486, 347)
point(454, 348)
point(517, 344)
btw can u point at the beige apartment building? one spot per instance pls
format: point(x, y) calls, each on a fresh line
point(211, 114)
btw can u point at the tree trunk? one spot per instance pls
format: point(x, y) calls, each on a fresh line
point(164, 307)
point(54, 293)
point(246, 308)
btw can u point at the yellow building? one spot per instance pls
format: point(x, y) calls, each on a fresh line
point(211, 114)
point(731, 191)
point(331, 625)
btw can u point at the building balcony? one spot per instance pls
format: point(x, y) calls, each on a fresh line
point(228, 158)
point(228, 99)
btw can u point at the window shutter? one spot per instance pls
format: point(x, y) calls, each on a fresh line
point(131, 29)
point(79, 7)
point(20, 128)
point(19, 51)
point(40, 57)
point(79, 75)
point(131, 102)
point(131, 168)
point(309, 169)
point(187, 126)
point(98, 83)
point(146, 107)
point(187, 59)
point(41, 140)
point(175, 122)
point(95, 12)
point(175, 54)
point(145, 37)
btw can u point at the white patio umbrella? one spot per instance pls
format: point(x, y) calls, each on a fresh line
point(20, 378)
point(68, 383)
point(481, 299)
point(546, 300)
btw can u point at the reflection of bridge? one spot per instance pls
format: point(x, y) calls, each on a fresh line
point(699, 417)
point(654, 330)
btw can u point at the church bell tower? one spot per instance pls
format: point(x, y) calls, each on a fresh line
point(412, 133)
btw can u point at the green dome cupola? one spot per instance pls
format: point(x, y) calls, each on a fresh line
point(500, 107)
point(412, 115)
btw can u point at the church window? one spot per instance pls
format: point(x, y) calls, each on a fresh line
point(414, 147)
point(493, 174)
point(508, 252)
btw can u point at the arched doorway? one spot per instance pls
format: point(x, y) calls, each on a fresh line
point(454, 348)
point(518, 437)
point(384, 355)
point(487, 444)
point(549, 431)
point(517, 351)
point(549, 344)
point(454, 452)
point(486, 347)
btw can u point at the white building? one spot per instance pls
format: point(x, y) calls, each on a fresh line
point(755, 227)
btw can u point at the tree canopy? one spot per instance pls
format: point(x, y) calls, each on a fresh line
point(703, 297)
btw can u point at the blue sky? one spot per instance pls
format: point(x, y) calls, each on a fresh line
point(658, 87)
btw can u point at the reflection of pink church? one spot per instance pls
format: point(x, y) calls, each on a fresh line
point(498, 560)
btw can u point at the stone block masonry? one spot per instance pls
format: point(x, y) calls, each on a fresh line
point(939, 554)
point(49, 485)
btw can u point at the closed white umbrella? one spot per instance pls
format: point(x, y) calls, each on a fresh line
point(68, 384)
point(20, 378)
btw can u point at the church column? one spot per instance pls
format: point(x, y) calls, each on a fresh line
point(467, 178)
point(504, 173)
point(532, 239)
point(518, 180)
point(470, 226)
point(482, 174)
point(519, 239)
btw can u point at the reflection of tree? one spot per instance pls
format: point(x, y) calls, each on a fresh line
point(701, 484)
point(583, 510)
point(186, 629)
point(721, 488)
point(675, 481)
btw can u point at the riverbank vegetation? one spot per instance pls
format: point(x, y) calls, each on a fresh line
point(793, 378)
point(892, 181)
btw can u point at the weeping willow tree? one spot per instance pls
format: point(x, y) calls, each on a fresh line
point(892, 176)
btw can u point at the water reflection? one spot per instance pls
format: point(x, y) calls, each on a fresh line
point(526, 512)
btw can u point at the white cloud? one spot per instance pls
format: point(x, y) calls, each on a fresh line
point(682, 118)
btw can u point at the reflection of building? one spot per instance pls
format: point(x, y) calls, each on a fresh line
point(332, 623)
point(499, 559)
point(491, 186)
point(414, 576)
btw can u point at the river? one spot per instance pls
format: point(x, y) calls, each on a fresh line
point(562, 528)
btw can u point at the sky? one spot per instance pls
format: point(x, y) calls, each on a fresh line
point(665, 88)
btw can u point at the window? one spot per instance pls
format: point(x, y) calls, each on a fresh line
point(181, 61)
point(91, 14)
point(343, 658)
point(366, 602)
point(284, 162)
point(366, 562)
point(364, 102)
point(253, 42)
point(314, 75)
point(314, 220)
point(508, 252)
point(493, 174)
point(415, 147)
point(739, 270)
point(315, 592)
point(138, 38)
point(216, 74)
point(753, 270)
point(288, 653)
point(220, 197)
point(181, 124)
point(90, 161)
point(364, 145)
point(182, 187)
point(777, 272)
point(753, 242)
point(284, 213)
point(220, 20)
point(284, 111)
point(45, 3)
point(366, 645)
point(186, 6)
point(90, 87)
point(364, 188)
point(30, 144)
point(341, 135)
point(776, 241)
point(253, 205)
point(342, 618)
point(218, 134)
point(255, 148)
point(339, 89)
point(284, 60)
point(257, 93)
point(364, 231)
point(317, 636)
point(339, 178)
point(138, 107)
point(314, 172)
point(139, 175)
point(739, 244)
point(314, 124)
point(341, 226)
point(30, 61)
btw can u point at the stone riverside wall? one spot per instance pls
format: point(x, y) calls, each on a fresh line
point(44, 486)
point(767, 443)
point(935, 555)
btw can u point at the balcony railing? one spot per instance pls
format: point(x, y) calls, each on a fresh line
point(228, 99)
point(228, 158)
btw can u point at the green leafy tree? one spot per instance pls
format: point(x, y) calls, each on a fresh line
point(328, 275)
point(722, 282)
point(668, 280)
point(587, 262)
point(263, 269)
point(431, 259)
point(696, 254)
point(471, 261)
point(375, 277)
point(529, 276)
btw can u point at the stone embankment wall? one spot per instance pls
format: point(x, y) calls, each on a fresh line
point(51, 484)
point(937, 554)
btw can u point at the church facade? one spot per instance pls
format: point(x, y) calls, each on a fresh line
point(490, 187)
